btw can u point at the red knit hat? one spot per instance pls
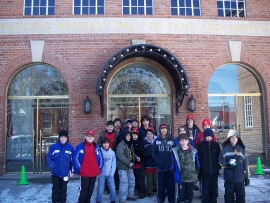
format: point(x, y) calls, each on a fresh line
point(151, 129)
point(205, 122)
point(90, 132)
point(163, 125)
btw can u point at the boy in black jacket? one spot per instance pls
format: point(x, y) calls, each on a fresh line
point(209, 151)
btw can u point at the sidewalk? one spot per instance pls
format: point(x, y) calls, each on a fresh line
point(39, 190)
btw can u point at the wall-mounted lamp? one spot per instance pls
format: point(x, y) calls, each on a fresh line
point(192, 104)
point(87, 105)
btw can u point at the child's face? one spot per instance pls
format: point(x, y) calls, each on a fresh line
point(181, 131)
point(135, 136)
point(135, 124)
point(128, 137)
point(150, 135)
point(233, 140)
point(208, 138)
point(89, 138)
point(63, 139)
point(129, 124)
point(184, 143)
point(105, 145)
point(206, 126)
point(163, 131)
point(190, 123)
point(110, 128)
point(145, 123)
point(117, 124)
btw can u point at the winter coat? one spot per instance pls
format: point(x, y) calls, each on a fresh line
point(59, 159)
point(109, 163)
point(123, 156)
point(200, 138)
point(79, 155)
point(161, 152)
point(238, 173)
point(208, 156)
point(185, 171)
point(148, 160)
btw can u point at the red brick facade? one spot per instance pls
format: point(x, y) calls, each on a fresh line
point(80, 58)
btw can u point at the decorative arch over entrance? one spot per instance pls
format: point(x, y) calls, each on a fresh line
point(158, 54)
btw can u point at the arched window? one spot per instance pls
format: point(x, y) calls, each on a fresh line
point(234, 99)
point(37, 109)
point(139, 89)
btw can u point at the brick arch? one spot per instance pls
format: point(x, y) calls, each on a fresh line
point(23, 60)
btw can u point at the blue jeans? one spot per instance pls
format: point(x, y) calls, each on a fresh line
point(126, 184)
point(101, 186)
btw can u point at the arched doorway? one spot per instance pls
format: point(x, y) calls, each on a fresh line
point(235, 102)
point(139, 89)
point(37, 108)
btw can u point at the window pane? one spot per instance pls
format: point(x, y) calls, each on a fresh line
point(174, 11)
point(227, 4)
point(125, 10)
point(188, 3)
point(134, 10)
point(28, 2)
point(77, 2)
point(36, 2)
point(85, 10)
point(149, 11)
point(220, 13)
point(51, 11)
point(189, 11)
point(36, 11)
point(43, 2)
point(134, 3)
point(141, 11)
point(197, 12)
point(92, 2)
point(182, 11)
point(219, 4)
point(27, 11)
point(100, 10)
point(100, 2)
point(140, 2)
point(85, 3)
point(173, 3)
point(149, 3)
point(77, 10)
point(51, 2)
point(182, 3)
point(196, 3)
point(233, 5)
point(42, 10)
point(125, 2)
point(92, 10)
point(227, 12)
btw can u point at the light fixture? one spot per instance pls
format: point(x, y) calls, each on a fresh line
point(87, 105)
point(192, 104)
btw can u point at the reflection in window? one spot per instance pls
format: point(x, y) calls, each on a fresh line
point(186, 7)
point(39, 7)
point(88, 7)
point(38, 80)
point(138, 7)
point(231, 8)
point(248, 111)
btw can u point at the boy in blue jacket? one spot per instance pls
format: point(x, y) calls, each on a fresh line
point(88, 162)
point(59, 160)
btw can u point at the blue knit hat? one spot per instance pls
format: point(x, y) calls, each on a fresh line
point(208, 132)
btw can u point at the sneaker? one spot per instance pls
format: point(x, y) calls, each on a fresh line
point(142, 195)
point(150, 195)
point(133, 198)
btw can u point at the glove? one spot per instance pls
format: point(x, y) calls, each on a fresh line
point(233, 162)
point(247, 181)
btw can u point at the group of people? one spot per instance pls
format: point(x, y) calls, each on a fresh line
point(123, 158)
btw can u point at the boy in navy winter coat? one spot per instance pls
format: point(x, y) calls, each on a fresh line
point(59, 160)
point(161, 154)
point(209, 151)
point(233, 159)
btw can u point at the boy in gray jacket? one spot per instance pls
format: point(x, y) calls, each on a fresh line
point(107, 171)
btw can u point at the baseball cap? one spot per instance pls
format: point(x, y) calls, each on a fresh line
point(190, 116)
point(135, 131)
point(90, 132)
point(127, 120)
